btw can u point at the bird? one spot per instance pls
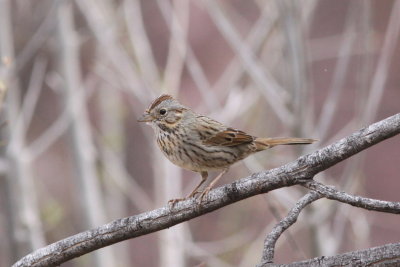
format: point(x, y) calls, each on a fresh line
point(201, 144)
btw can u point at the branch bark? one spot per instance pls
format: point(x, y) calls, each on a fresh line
point(284, 224)
point(330, 192)
point(296, 172)
point(386, 255)
point(320, 191)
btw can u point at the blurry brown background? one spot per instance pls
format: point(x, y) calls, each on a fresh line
point(80, 72)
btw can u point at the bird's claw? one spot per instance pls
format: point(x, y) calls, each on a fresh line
point(199, 198)
point(172, 202)
point(203, 194)
point(194, 193)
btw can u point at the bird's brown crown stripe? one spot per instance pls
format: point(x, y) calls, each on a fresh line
point(159, 100)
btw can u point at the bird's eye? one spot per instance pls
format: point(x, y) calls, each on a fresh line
point(163, 111)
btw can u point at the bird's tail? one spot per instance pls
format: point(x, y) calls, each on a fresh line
point(264, 143)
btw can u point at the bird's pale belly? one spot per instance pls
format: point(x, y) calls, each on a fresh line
point(198, 157)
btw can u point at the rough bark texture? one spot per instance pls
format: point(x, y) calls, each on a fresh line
point(290, 219)
point(300, 171)
point(320, 191)
point(387, 255)
point(330, 192)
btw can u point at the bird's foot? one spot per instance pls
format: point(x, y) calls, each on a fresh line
point(193, 194)
point(203, 194)
point(172, 202)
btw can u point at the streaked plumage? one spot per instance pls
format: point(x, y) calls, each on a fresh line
point(201, 144)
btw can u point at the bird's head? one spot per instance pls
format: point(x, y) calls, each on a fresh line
point(165, 112)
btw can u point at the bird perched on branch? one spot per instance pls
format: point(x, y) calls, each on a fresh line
point(201, 144)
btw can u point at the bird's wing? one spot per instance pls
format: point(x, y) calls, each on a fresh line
point(229, 137)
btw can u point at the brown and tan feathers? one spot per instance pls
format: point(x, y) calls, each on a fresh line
point(215, 133)
point(229, 137)
point(158, 100)
point(264, 143)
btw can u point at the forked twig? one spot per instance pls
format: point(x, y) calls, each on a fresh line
point(284, 224)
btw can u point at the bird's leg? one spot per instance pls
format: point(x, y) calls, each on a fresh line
point(210, 186)
point(204, 176)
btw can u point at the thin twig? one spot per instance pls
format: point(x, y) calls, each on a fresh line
point(100, 23)
point(319, 191)
point(384, 63)
point(265, 83)
point(192, 63)
point(25, 230)
point(357, 201)
point(82, 143)
point(284, 224)
point(331, 103)
point(3, 91)
point(140, 42)
point(235, 70)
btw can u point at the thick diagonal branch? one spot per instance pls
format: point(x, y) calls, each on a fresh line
point(290, 174)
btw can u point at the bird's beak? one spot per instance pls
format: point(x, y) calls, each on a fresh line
point(146, 117)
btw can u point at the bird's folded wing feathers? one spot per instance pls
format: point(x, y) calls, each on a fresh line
point(229, 137)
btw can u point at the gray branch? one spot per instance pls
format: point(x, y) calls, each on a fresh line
point(356, 201)
point(296, 172)
point(319, 191)
point(386, 255)
point(284, 224)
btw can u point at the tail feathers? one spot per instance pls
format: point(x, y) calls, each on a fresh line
point(264, 143)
